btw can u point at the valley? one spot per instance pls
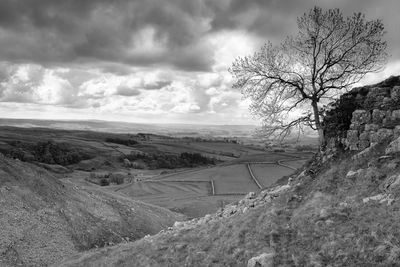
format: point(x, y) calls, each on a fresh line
point(130, 164)
point(85, 189)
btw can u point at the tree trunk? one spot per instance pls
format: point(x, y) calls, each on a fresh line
point(321, 137)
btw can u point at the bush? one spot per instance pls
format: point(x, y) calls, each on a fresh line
point(47, 152)
point(120, 141)
point(138, 165)
point(117, 179)
point(168, 161)
point(305, 147)
point(104, 182)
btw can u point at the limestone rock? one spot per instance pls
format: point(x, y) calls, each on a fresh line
point(361, 117)
point(366, 152)
point(381, 135)
point(392, 184)
point(393, 147)
point(179, 224)
point(351, 174)
point(356, 126)
point(396, 114)
point(378, 116)
point(395, 93)
point(381, 198)
point(371, 127)
point(378, 197)
point(250, 195)
point(352, 139)
point(263, 260)
point(396, 131)
point(364, 140)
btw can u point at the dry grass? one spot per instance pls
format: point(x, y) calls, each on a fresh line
point(322, 221)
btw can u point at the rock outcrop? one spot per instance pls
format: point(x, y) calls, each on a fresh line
point(364, 116)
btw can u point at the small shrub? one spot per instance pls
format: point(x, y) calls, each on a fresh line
point(138, 165)
point(117, 179)
point(104, 182)
point(305, 147)
point(120, 141)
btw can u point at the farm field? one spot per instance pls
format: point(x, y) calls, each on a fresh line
point(227, 179)
point(194, 190)
point(189, 192)
point(268, 174)
point(294, 163)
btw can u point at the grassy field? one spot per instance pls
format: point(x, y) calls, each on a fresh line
point(267, 174)
point(191, 191)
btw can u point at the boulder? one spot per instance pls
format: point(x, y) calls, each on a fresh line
point(263, 260)
point(393, 147)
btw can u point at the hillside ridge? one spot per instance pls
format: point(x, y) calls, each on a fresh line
point(341, 209)
point(44, 219)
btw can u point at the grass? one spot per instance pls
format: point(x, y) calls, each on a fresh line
point(268, 174)
point(320, 222)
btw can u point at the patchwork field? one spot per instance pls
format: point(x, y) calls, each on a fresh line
point(193, 190)
point(267, 174)
point(202, 191)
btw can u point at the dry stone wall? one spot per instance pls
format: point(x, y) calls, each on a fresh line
point(375, 116)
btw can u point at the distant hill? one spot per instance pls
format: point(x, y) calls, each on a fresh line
point(194, 130)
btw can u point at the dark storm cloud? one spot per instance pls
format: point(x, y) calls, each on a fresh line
point(275, 19)
point(46, 31)
point(55, 32)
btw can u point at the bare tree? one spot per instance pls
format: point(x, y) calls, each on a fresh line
point(288, 83)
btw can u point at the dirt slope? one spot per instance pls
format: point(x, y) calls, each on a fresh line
point(44, 220)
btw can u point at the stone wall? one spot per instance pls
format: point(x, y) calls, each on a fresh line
point(375, 116)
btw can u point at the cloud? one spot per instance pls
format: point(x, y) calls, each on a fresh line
point(156, 85)
point(127, 91)
point(147, 59)
point(149, 33)
point(121, 31)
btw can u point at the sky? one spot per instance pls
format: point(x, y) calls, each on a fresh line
point(155, 61)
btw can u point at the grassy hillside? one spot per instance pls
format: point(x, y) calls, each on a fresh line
point(44, 219)
point(341, 209)
point(338, 212)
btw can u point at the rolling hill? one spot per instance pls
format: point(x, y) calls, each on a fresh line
point(44, 219)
